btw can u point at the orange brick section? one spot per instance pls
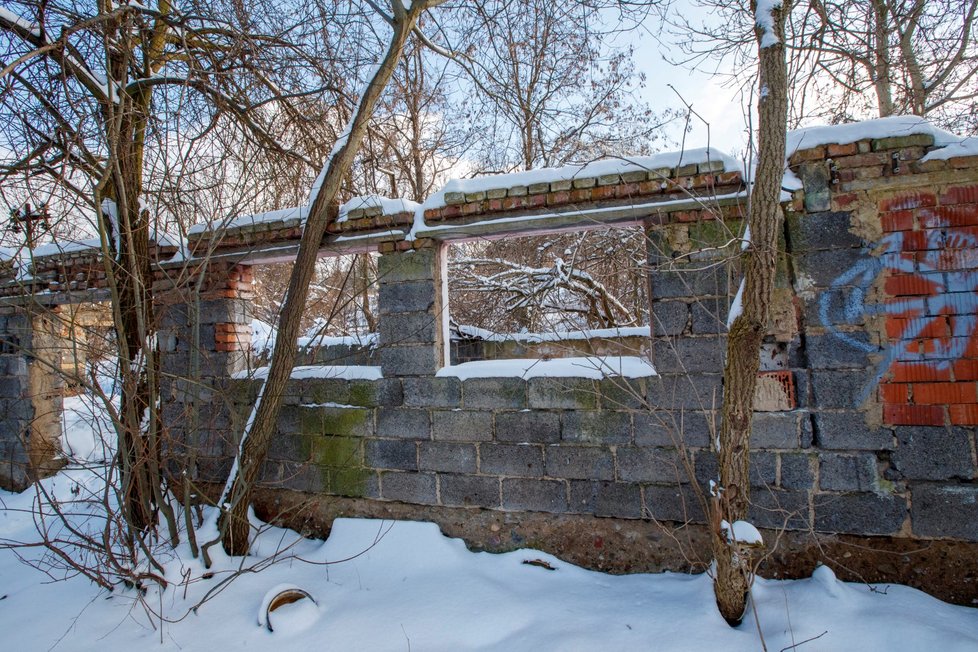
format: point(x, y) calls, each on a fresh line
point(944, 393)
point(964, 415)
point(913, 415)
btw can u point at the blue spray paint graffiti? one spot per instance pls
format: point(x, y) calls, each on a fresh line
point(944, 262)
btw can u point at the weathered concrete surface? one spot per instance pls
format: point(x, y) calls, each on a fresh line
point(945, 569)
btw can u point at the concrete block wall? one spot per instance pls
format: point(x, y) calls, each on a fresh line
point(30, 396)
point(865, 421)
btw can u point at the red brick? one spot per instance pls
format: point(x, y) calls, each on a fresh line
point(960, 195)
point(472, 209)
point(812, 154)
point(944, 393)
point(905, 200)
point(602, 192)
point(514, 203)
point(626, 190)
point(917, 327)
point(962, 162)
point(704, 181)
point(843, 150)
point(899, 285)
point(918, 372)
point(964, 415)
point(730, 178)
point(897, 221)
point(537, 201)
point(652, 187)
point(580, 194)
point(966, 369)
point(913, 415)
point(495, 204)
point(558, 198)
point(862, 161)
point(895, 393)
point(449, 212)
point(921, 240)
point(432, 214)
point(846, 200)
point(960, 215)
point(951, 259)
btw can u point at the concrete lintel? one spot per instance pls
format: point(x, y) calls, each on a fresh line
point(573, 219)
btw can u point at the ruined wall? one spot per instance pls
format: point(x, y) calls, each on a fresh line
point(865, 411)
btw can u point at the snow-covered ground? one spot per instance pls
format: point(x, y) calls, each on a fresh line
point(382, 585)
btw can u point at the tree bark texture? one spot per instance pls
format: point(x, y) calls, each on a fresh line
point(258, 434)
point(733, 572)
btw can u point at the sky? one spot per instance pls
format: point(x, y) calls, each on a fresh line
point(720, 108)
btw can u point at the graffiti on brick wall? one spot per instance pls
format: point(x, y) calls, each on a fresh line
point(930, 297)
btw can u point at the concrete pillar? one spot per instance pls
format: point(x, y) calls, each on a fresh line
point(413, 302)
point(204, 340)
point(31, 394)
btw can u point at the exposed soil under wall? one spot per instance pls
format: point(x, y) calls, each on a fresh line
point(945, 569)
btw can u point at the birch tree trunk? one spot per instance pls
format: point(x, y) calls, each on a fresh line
point(260, 429)
point(733, 571)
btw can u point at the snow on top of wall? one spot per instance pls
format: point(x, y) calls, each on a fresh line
point(387, 206)
point(283, 214)
point(965, 147)
point(555, 336)
point(893, 126)
point(591, 367)
point(594, 169)
point(341, 372)
point(366, 339)
point(65, 246)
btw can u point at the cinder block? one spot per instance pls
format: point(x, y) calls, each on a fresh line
point(611, 499)
point(406, 487)
point(690, 354)
point(580, 463)
point(660, 465)
point(495, 393)
point(669, 317)
point(597, 427)
point(461, 425)
point(391, 454)
point(848, 431)
point(405, 423)
point(672, 503)
point(448, 457)
point(566, 393)
point(848, 472)
point(413, 296)
point(412, 360)
point(528, 426)
point(862, 513)
point(775, 430)
point(779, 509)
point(414, 265)
point(469, 490)
point(535, 495)
point(670, 428)
point(432, 392)
point(933, 453)
point(520, 460)
point(796, 471)
point(945, 511)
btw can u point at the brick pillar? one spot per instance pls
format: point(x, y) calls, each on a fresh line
point(413, 305)
point(30, 396)
point(204, 340)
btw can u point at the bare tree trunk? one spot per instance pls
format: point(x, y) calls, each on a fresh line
point(261, 427)
point(733, 572)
